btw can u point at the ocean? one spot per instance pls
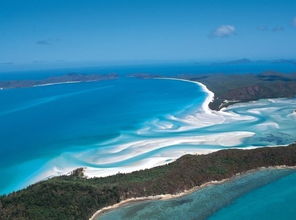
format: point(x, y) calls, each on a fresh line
point(127, 124)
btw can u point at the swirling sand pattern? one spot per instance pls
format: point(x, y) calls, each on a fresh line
point(164, 138)
point(254, 124)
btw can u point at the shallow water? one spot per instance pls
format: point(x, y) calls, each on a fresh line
point(42, 123)
point(245, 197)
point(270, 202)
point(124, 125)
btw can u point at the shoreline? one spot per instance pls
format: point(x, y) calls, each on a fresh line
point(58, 83)
point(205, 110)
point(55, 80)
point(187, 174)
point(210, 95)
point(103, 210)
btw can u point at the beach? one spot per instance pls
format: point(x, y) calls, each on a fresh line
point(100, 212)
point(202, 118)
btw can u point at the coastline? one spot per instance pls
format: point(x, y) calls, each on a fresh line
point(210, 94)
point(55, 80)
point(59, 83)
point(230, 89)
point(101, 211)
point(90, 173)
point(214, 116)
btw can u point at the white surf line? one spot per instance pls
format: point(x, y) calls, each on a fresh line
point(206, 116)
point(66, 82)
point(210, 94)
point(58, 83)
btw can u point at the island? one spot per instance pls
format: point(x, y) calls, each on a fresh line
point(76, 197)
point(60, 79)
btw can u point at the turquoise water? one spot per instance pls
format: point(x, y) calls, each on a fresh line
point(41, 123)
point(130, 124)
point(270, 202)
point(124, 125)
point(266, 194)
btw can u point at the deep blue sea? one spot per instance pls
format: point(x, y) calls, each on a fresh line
point(128, 124)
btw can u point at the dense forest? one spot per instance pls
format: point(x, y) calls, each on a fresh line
point(75, 197)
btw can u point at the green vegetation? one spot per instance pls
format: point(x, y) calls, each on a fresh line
point(247, 87)
point(75, 197)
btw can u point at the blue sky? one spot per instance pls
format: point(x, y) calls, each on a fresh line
point(37, 32)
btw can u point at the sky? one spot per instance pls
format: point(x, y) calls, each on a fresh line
point(53, 32)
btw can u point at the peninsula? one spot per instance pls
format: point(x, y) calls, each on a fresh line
point(76, 197)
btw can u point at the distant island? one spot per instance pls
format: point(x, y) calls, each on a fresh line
point(75, 197)
point(289, 61)
point(68, 78)
point(234, 62)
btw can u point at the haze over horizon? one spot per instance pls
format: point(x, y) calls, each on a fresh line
point(64, 33)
